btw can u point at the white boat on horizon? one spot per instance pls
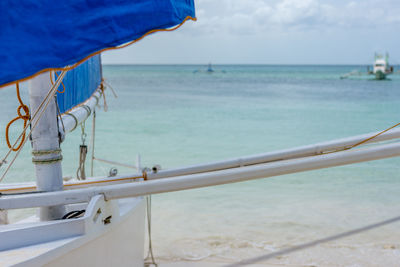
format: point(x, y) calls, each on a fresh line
point(381, 67)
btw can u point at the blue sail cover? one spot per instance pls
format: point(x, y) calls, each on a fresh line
point(80, 83)
point(44, 34)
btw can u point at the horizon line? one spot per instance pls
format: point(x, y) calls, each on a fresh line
point(233, 64)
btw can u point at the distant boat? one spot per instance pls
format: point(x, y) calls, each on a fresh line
point(381, 67)
point(210, 69)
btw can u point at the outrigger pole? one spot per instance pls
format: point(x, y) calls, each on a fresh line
point(177, 183)
point(285, 154)
point(332, 146)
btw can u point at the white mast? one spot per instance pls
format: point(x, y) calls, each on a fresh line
point(46, 145)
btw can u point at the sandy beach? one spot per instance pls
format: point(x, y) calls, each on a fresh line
point(387, 255)
point(205, 264)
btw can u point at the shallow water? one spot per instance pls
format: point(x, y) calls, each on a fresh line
point(175, 117)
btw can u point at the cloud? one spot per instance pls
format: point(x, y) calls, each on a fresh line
point(290, 12)
point(251, 16)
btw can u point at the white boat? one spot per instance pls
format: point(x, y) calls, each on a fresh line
point(381, 66)
point(101, 221)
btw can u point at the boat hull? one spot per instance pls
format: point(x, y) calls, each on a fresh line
point(111, 233)
point(123, 245)
point(379, 75)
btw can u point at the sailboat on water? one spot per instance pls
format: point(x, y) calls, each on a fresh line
point(87, 222)
point(209, 70)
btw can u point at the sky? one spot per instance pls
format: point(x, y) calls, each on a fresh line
point(274, 32)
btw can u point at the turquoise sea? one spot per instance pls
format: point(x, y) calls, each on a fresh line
point(174, 117)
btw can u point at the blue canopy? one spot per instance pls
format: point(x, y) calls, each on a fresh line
point(46, 34)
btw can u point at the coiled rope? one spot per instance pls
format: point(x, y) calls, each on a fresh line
point(23, 114)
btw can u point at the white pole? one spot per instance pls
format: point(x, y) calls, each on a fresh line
point(93, 141)
point(292, 153)
point(46, 145)
point(201, 180)
point(71, 119)
point(305, 151)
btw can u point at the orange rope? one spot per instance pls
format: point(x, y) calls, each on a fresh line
point(25, 117)
point(363, 141)
point(372, 137)
point(104, 95)
point(75, 184)
point(98, 52)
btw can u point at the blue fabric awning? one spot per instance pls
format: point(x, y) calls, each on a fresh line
point(46, 34)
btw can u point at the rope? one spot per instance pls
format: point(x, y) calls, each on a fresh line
point(38, 113)
point(102, 88)
point(59, 118)
point(80, 172)
point(45, 152)
point(363, 141)
point(32, 118)
point(52, 83)
point(72, 184)
point(149, 260)
point(372, 137)
point(116, 163)
point(112, 89)
point(25, 116)
point(47, 161)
